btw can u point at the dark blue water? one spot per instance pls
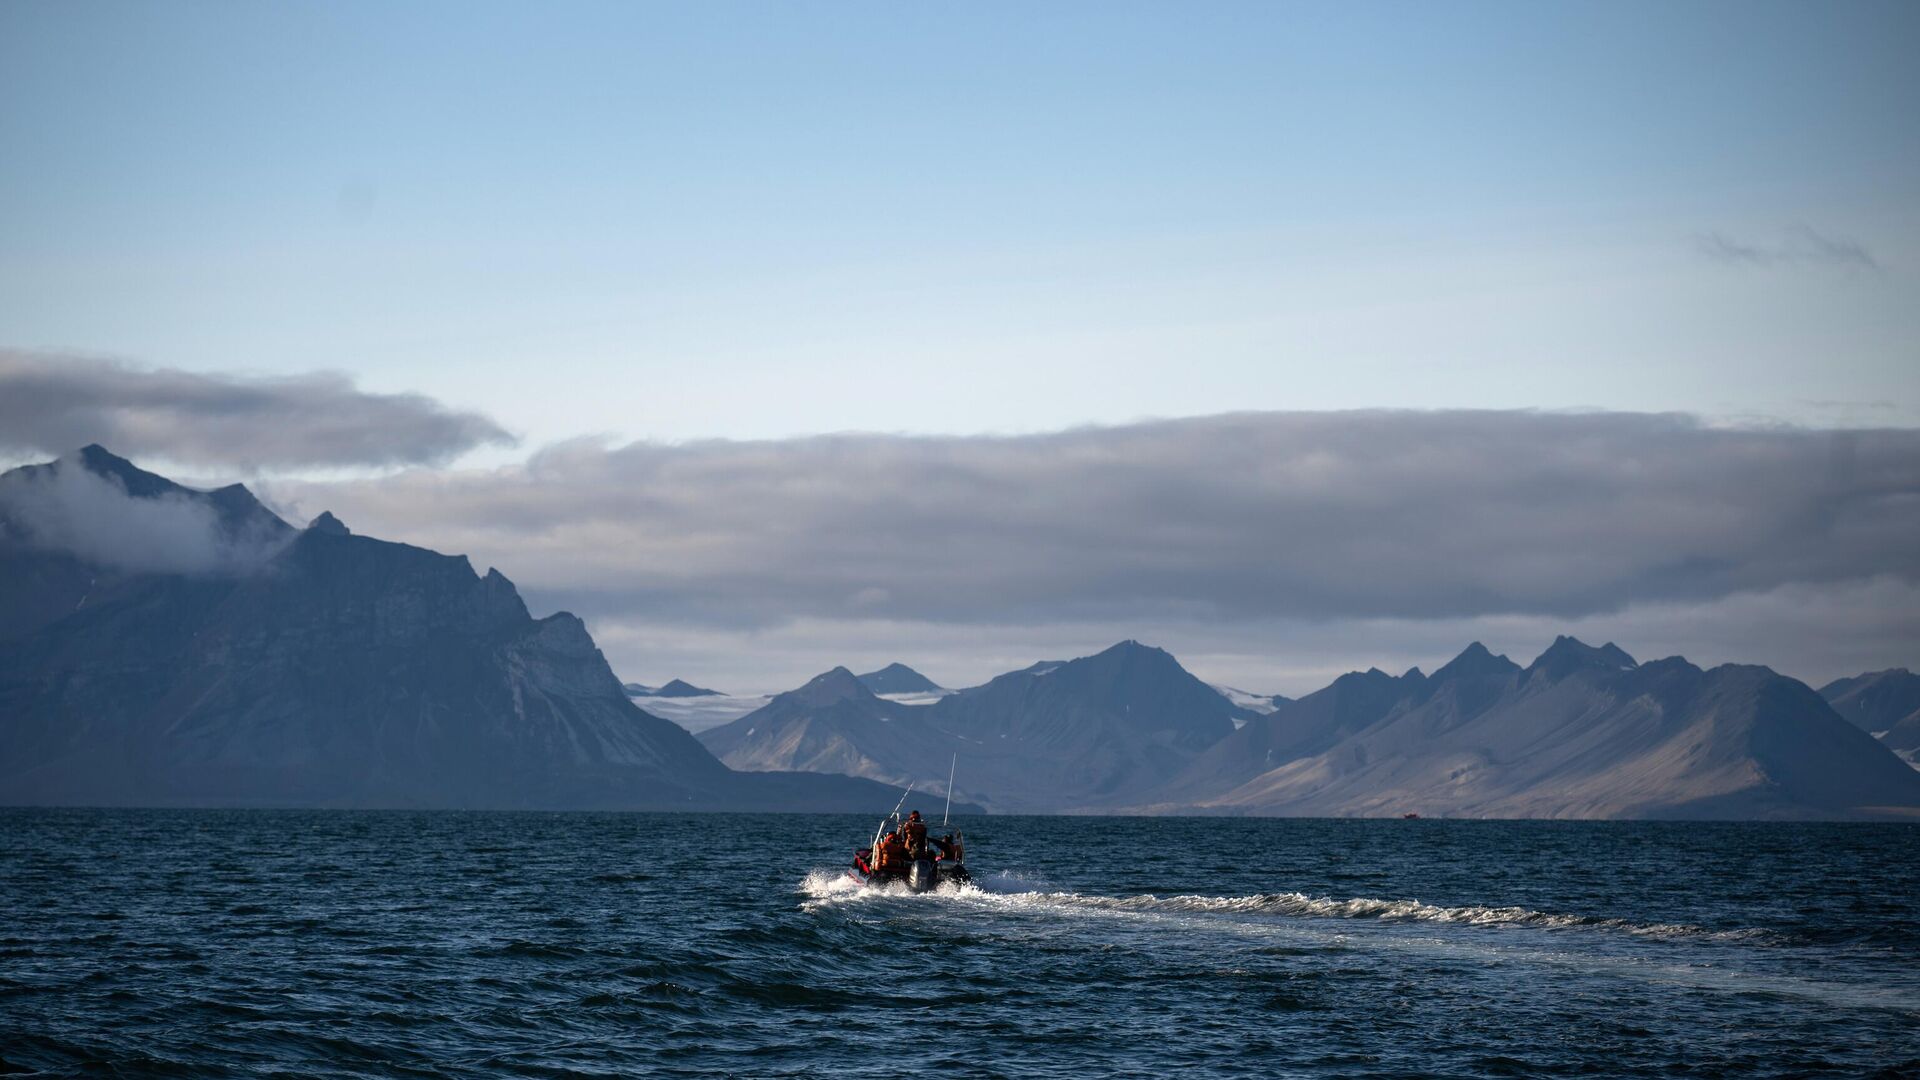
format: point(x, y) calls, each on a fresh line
point(445, 944)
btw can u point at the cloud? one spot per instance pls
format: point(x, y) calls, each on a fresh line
point(1814, 633)
point(51, 404)
point(1225, 519)
point(1801, 246)
point(65, 507)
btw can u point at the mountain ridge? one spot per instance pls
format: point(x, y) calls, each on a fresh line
point(1595, 739)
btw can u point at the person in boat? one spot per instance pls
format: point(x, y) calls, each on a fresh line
point(892, 853)
point(914, 833)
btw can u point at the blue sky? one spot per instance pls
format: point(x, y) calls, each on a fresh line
point(743, 220)
point(399, 261)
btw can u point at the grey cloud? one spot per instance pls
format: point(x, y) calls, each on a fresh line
point(1814, 633)
point(1800, 246)
point(64, 507)
point(51, 404)
point(1314, 516)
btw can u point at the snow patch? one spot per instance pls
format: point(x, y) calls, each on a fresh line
point(917, 697)
point(1251, 702)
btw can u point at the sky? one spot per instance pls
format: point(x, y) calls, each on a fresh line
point(1008, 283)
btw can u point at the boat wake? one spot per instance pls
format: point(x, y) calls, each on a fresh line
point(1300, 905)
point(828, 887)
point(1014, 892)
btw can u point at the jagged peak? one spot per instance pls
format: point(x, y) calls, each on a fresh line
point(1371, 677)
point(1130, 652)
point(140, 483)
point(1569, 654)
point(240, 510)
point(683, 688)
point(99, 458)
point(839, 684)
point(1475, 660)
point(898, 678)
point(333, 526)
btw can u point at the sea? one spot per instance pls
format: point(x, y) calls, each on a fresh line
point(205, 943)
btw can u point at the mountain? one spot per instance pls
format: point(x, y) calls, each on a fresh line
point(635, 689)
point(1885, 704)
point(80, 527)
point(1098, 731)
point(679, 688)
point(183, 647)
point(899, 679)
point(1581, 732)
point(835, 724)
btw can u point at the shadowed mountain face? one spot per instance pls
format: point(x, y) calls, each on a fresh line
point(1883, 703)
point(899, 679)
point(1092, 732)
point(336, 670)
point(1582, 732)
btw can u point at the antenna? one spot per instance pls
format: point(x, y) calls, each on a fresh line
point(954, 764)
point(896, 813)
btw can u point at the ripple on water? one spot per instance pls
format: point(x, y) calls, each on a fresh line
point(502, 944)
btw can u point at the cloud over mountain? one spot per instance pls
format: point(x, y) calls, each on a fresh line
point(1415, 515)
point(102, 509)
point(51, 403)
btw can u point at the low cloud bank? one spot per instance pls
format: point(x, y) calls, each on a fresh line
point(51, 403)
point(1298, 516)
point(64, 507)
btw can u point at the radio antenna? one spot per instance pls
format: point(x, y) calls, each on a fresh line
point(895, 814)
point(944, 814)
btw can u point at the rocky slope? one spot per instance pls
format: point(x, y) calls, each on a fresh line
point(1582, 732)
point(1886, 704)
point(309, 667)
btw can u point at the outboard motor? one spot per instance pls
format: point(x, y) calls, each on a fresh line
point(921, 876)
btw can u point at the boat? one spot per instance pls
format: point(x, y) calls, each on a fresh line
point(923, 867)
